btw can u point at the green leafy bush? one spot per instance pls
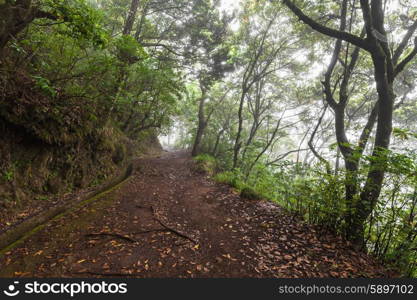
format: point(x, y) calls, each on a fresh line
point(206, 163)
point(81, 20)
point(231, 178)
point(250, 194)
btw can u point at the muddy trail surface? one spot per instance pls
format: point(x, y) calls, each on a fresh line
point(170, 220)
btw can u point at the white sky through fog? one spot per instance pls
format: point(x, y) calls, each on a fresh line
point(229, 4)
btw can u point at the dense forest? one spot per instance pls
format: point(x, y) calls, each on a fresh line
point(310, 104)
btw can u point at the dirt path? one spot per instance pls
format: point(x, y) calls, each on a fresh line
point(170, 221)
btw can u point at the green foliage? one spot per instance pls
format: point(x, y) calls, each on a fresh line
point(8, 175)
point(129, 50)
point(232, 178)
point(82, 86)
point(250, 194)
point(403, 134)
point(81, 20)
point(45, 85)
point(206, 163)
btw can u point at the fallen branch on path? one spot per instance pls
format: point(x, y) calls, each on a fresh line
point(166, 227)
point(171, 229)
point(151, 230)
point(108, 274)
point(120, 236)
point(144, 207)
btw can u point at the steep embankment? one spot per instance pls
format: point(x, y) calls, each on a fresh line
point(169, 220)
point(54, 146)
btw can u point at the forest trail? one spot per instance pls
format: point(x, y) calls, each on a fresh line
point(169, 220)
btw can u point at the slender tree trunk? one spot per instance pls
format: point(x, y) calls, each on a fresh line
point(143, 13)
point(216, 144)
point(202, 123)
point(127, 29)
point(337, 163)
point(311, 145)
point(238, 143)
point(266, 147)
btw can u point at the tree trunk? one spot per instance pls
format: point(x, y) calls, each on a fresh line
point(373, 185)
point(216, 144)
point(14, 18)
point(238, 143)
point(127, 29)
point(202, 123)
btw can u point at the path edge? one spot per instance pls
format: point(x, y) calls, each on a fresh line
point(23, 229)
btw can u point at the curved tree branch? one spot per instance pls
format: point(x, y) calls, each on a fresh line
point(342, 35)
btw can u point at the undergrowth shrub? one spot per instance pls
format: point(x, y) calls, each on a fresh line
point(206, 163)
